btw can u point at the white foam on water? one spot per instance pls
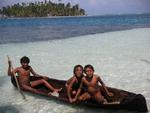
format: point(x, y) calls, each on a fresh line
point(121, 58)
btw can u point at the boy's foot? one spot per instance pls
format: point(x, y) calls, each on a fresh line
point(56, 94)
point(105, 101)
point(58, 90)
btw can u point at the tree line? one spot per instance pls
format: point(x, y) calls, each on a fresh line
point(42, 9)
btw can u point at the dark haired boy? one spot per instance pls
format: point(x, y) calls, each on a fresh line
point(74, 83)
point(24, 76)
point(90, 84)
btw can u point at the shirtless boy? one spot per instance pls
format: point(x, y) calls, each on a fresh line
point(90, 83)
point(24, 76)
point(74, 82)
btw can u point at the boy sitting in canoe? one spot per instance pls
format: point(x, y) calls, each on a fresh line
point(91, 87)
point(24, 76)
point(74, 82)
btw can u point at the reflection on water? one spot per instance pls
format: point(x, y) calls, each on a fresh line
point(146, 61)
point(8, 109)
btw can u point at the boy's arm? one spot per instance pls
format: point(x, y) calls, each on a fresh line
point(69, 89)
point(100, 80)
point(103, 85)
point(13, 71)
point(68, 81)
point(34, 73)
point(79, 90)
point(37, 75)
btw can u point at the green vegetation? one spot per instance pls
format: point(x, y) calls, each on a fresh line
point(42, 9)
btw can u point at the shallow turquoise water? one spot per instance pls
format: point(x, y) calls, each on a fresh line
point(121, 58)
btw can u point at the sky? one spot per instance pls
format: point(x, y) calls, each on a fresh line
point(100, 7)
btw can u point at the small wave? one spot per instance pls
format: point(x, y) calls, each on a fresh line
point(148, 80)
point(3, 79)
point(145, 60)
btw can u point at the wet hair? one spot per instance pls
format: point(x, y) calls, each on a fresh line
point(76, 66)
point(88, 66)
point(24, 59)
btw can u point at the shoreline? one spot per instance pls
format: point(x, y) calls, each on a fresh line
point(107, 15)
point(41, 17)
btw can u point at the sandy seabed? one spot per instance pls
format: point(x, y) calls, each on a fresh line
point(121, 58)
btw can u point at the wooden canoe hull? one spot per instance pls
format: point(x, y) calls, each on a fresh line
point(129, 101)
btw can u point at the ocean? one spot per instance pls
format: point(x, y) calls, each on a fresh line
point(16, 30)
point(117, 47)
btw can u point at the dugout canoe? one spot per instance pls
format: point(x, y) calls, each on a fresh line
point(121, 99)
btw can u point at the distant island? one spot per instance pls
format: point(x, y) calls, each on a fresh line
point(42, 9)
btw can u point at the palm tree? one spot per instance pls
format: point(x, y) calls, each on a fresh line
point(42, 9)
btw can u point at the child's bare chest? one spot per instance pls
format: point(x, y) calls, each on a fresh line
point(24, 72)
point(94, 81)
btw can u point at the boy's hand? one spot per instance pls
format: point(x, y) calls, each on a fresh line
point(70, 100)
point(45, 77)
point(74, 100)
point(110, 94)
point(66, 85)
point(9, 61)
